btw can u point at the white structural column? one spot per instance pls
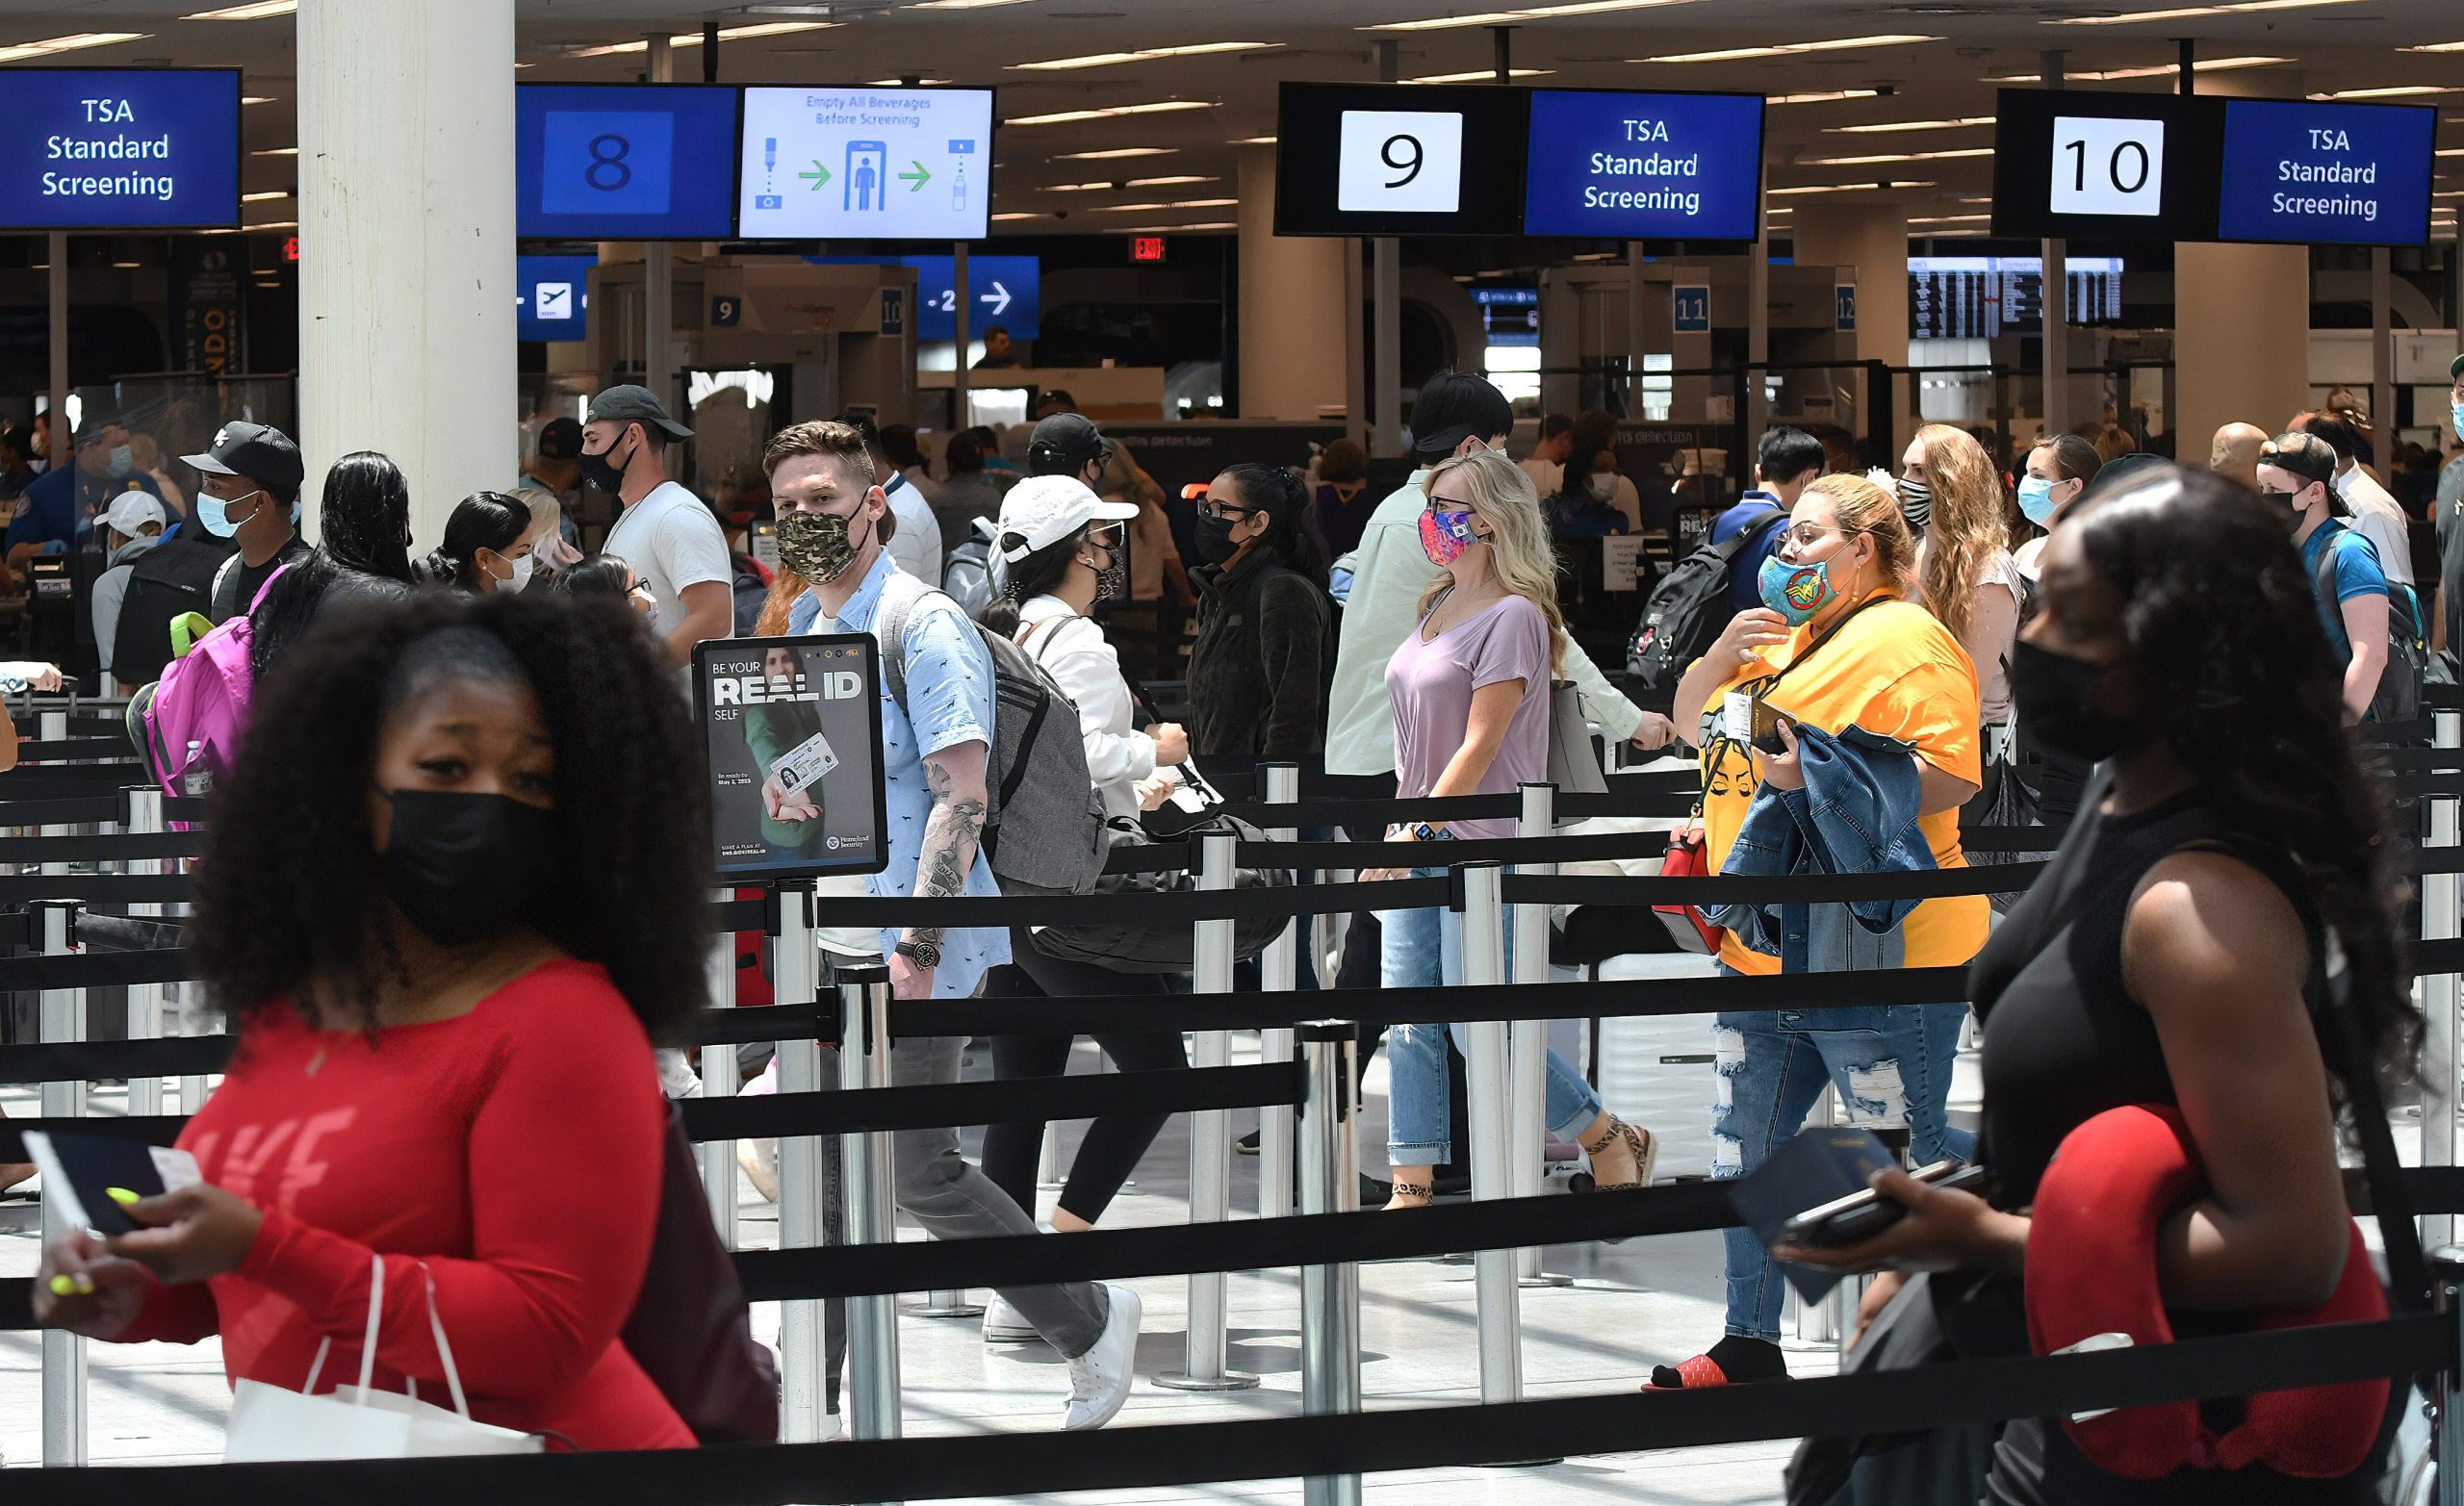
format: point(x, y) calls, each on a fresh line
point(1293, 356)
point(1867, 244)
point(406, 320)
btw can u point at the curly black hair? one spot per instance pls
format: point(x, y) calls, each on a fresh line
point(288, 882)
point(2224, 628)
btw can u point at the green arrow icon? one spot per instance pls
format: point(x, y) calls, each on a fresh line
point(919, 177)
point(817, 177)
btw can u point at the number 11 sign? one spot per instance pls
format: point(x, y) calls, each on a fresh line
point(2108, 165)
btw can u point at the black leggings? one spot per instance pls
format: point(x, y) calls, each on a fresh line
point(1113, 1144)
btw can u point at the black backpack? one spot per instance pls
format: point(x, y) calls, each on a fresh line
point(1686, 612)
point(2399, 684)
point(168, 580)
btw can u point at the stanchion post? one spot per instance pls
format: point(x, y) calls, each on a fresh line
point(2447, 1272)
point(804, 1368)
point(719, 1080)
point(1529, 1054)
point(1278, 973)
point(142, 816)
point(2439, 995)
point(60, 1017)
point(1329, 1295)
point(1501, 1309)
point(1205, 1361)
point(866, 1174)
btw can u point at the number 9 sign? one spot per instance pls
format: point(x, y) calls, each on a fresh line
point(1400, 162)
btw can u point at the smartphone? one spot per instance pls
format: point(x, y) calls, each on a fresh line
point(79, 1171)
point(802, 766)
point(1864, 1213)
point(1764, 721)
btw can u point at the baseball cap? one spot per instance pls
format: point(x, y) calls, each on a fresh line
point(1066, 442)
point(258, 452)
point(2455, 368)
point(1454, 406)
point(560, 438)
point(1044, 510)
point(2305, 455)
point(130, 511)
point(627, 403)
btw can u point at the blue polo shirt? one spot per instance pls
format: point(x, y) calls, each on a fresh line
point(2357, 574)
point(63, 502)
point(1745, 571)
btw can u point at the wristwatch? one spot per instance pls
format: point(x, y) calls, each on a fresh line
point(925, 954)
point(1423, 832)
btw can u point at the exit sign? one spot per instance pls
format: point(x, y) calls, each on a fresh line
point(291, 249)
point(1146, 248)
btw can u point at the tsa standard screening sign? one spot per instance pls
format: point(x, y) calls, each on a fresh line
point(1644, 167)
point(120, 148)
point(2302, 173)
point(792, 729)
point(887, 164)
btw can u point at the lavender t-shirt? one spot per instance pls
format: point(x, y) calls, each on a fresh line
point(1431, 684)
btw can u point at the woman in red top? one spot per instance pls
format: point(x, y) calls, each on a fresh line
point(447, 898)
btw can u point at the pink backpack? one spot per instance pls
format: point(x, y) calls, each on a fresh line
point(198, 709)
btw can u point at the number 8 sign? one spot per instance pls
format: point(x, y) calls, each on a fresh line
point(1400, 162)
point(2108, 165)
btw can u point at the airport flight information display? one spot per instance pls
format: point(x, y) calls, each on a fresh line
point(624, 162)
point(120, 148)
point(1978, 297)
point(1638, 167)
point(886, 163)
point(2196, 168)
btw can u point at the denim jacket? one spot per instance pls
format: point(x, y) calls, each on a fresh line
point(1857, 813)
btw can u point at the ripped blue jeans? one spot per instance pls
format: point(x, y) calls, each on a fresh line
point(1892, 1066)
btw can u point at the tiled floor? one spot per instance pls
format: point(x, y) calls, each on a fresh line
point(1628, 1308)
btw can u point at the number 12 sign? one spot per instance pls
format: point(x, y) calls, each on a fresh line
point(1400, 162)
point(2107, 165)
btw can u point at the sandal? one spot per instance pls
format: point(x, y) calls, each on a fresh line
point(1419, 1194)
point(1644, 1145)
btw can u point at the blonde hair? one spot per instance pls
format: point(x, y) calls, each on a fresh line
point(1502, 496)
point(1867, 509)
point(1967, 522)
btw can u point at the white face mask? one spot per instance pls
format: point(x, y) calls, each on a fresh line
point(520, 577)
point(1602, 485)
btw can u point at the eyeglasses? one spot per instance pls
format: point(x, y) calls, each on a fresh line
point(1806, 535)
point(1215, 509)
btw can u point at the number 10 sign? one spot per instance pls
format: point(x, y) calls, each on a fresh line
point(1400, 162)
point(2107, 165)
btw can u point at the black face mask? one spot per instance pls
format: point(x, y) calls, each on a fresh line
point(1111, 579)
point(1215, 541)
point(464, 867)
point(1916, 501)
point(602, 471)
point(2054, 696)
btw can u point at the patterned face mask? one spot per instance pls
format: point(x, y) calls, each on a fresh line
point(815, 545)
point(1444, 535)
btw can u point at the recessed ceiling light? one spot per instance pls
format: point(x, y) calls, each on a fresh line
point(277, 151)
point(1878, 126)
point(258, 99)
point(1789, 49)
point(1251, 140)
point(1116, 153)
point(1016, 214)
point(1878, 157)
point(260, 198)
point(2186, 11)
point(128, 263)
point(1164, 183)
point(1824, 97)
point(2385, 91)
point(961, 5)
point(1157, 230)
point(2156, 70)
point(1109, 111)
point(1528, 13)
point(1480, 76)
point(1149, 209)
point(2435, 46)
point(694, 39)
point(1849, 188)
point(1107, 59)
point(901, 83)
point(257, 12)
point(68, 43)
point(1949, 219)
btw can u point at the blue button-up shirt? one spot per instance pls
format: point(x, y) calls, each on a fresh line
point(60, 503)
point(949, 701)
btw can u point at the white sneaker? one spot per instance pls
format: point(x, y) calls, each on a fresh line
point(1004, 1324)
point(1099, 1379)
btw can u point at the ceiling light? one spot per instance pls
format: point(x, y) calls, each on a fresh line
point(258, 99)
point(1150, 208)
point(1824, 97)
point(1848, 188)
point(1877, 126)
point(2385, 91)
point(901, 83)
point(1865, 161)
point(1080, 188)
point(2158, 70)
point(1528, 13)
point(1480, 76)
point(1115, 153)
point(694, 39)
point(1162, 183)
point(960, 5)
point(1949, 219)
point(1109, 111)
point(1106, 60)
point(128, 263)
point(2185, 12)
point(277, 151)
point(2435, 46)
point(257, 12)
point(1014, 215)
point(1157, 230)
point(1788, 49)
point(259, 198)
point(1251, 140)
point(68, 43)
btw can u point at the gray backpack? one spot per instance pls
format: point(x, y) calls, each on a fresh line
point(1045, 831)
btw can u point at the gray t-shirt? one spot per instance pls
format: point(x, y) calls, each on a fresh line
point(1432, 683)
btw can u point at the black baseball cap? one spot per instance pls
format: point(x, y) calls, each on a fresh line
point(258, 452)
point(2309, 457)
point(1454, 406)
point(1065, 442)
point(632, 404)
point(560, 438)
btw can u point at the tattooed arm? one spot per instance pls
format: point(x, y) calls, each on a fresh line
point(954, 774)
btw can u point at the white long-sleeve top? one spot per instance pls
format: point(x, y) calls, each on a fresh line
point(1087, 667)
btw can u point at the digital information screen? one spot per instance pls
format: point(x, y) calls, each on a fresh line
point(1398, 159)
point(866, 164)
point(793, 731)
point(120, 148)
point(1643, 166)
point(552, 297)
point(1007, 291)
point(1978, 297)
point(624, 162)
point(1509, 315)
point(2348, 174)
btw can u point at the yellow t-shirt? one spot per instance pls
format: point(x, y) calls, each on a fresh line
point(1895, 671)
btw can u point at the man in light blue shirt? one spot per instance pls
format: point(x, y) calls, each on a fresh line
point(935, 750)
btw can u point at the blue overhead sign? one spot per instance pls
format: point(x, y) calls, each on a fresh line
point(625, 162)
point(120, 148)
point(552, 297)
point(1644, 167)
point(1007, 291)
point(1689, 308)
point(2303, 173)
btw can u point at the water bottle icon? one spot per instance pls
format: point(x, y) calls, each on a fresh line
point(958, 188)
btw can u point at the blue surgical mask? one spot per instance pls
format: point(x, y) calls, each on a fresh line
point(216, 514)
point(1796, 592)
point(2456, 417)
point(2035, 499)
point(123, 460)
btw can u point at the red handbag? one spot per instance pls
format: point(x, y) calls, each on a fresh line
point(1687, 859)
